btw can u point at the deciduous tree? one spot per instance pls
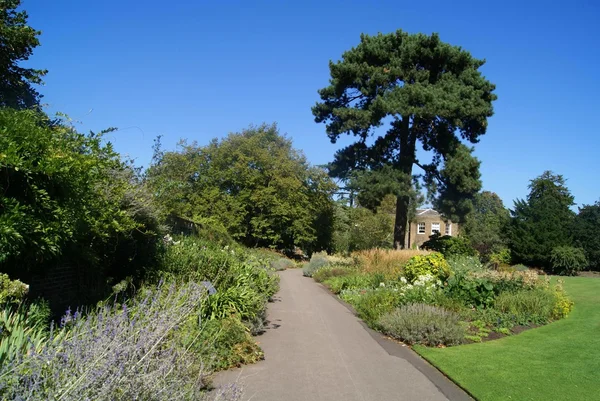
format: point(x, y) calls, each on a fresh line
point(427, 92)
point(253, 183)
point(487, 224)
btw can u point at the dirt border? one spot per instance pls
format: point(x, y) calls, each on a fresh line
point(447, 386)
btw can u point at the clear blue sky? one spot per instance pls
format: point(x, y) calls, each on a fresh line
point(202, 69)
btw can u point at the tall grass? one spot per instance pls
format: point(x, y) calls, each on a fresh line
point(384, 261)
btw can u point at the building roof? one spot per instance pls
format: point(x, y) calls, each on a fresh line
point(427, 212)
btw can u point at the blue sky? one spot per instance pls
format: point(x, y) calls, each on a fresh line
point(202, 69)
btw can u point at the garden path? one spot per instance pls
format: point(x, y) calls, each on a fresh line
point(317, 350)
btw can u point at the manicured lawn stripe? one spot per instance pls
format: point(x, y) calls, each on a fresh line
point(560, 361)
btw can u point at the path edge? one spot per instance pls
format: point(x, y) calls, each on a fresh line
point(451, 389)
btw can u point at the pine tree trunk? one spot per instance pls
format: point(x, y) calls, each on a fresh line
point(406, 159)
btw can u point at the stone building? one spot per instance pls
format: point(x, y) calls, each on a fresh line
point(426, 223)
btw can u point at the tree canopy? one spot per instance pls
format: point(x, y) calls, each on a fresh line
point(426, 92)
point(17, 41)
point(586, 233)
point(487, 224)
point(543, 221)
point(254, 184)
point(66, 196)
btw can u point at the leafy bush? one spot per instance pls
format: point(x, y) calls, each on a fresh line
point(351, 281)
point(317, 261)
point(423, 290)
point(421, 265)
point(372, 304)
point(12, 291)
point(511, 280)
point(223, 344)
point(386, 261)
point(471, 290)
point(423, 324)
point(527, 306)
point(449, 246)
point(282, 264)
point(501, 257)
point(130, 351)
point(465, 264)
point(69, 197)
point(243, 279)
point(520, 268)
point(568, 260)
point(563, 305)
point(328, 272)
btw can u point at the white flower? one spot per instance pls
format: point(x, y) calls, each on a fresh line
point(403, 280)
point(382, 284)
point(409, 287)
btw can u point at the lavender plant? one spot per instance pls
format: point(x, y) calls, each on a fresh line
point(131, 351)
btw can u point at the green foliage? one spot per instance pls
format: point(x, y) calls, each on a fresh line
point(432, 93)
point(283, 264)
point(465, 264)
point(350, 282)
point(328, 272)
point(423, 324)
point(359, 228)
point(242, 278)
point(17, 40)
point(23, 329)
point(420, 265)
point(472, 291)
point(373, 304)
point(12, 291)
point(224, 344)
point(486, 225)
point(586, 233)
point(543, 222)
point(499, 258)
point(254, 183)
point(526, 307)
point(67, 197)
point(317, 261)
point(449, 246)
point(568, 260)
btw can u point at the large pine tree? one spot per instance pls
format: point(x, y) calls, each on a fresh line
point(427, 92)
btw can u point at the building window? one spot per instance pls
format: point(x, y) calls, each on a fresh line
point(448, 228)
point(435, 228)
point(421, 228)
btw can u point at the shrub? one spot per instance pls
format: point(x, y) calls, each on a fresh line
point(131, 351)
point(511, 280)
point(421, 265)
point(351, 281)
point(501, 257)
point(568, 260)
point(372, 304)
point(448, 245)
point(471, 290)
point(331, 271)
point(423, 324)
point(465, 264)
point(423, 290)
point(520, 268)
point(527, 306)
point(223, 344)
point(11, 291)
point(282, 264)
point(563, 305)
point(317, 261)
point(386, 261)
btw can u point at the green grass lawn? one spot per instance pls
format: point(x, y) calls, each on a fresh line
point(560, 361)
